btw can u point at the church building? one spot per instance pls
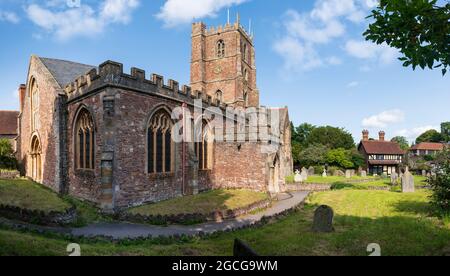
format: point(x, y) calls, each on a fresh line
point(108, 137)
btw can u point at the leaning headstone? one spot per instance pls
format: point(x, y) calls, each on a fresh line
point(297, 177)
point(311, 171)
point(323, 220)
point(348, 174)
point(363, 174)
point(304, 174)
point(324, 174)
point(241, 249)
point(424, 173)
point(394, 179)
point(408, 182)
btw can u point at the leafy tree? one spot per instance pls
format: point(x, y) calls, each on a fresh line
point(7, 159)
point(313, 155)
point(340, 157)
point(445, 131)
point(303, 132)
point(440, 184)
point(404, 145)
point(296, 150)
point(357, 158)
point(418, 28)
point(331, 137)
point(430, 136)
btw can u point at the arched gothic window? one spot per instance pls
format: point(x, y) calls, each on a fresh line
point(219, 95)
point(85, 141)
point(203, 147)
point(220, 49)
point(245, 99)
point(34, 106)
point(246, 75)
point(244, 52)
point(159, 143)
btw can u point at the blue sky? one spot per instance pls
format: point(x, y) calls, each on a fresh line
point(311, 55)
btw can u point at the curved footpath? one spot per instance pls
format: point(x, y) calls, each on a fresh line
point(119, 230)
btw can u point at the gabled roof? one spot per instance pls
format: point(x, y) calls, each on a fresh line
point(428, 146)
point(8, 122)
point(65, 71)
point(381, 147)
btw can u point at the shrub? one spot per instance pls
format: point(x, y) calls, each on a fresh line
point(7, 159)
point(318, 169)
point(440, 184)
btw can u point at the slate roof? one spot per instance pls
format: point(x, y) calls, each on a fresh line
point(428, 146)
point(381, 147)
point(8, 122)
point(65, 71)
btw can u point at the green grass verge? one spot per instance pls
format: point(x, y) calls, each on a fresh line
point(204, 203)
point(29, 195)
point(400, 223)
point(333, 179)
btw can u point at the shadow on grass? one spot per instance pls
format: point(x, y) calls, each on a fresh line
point(413, 207)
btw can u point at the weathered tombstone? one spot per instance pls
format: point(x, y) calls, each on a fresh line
point(241, 249)
point(311, 171)
point(339, 173)
point(394, 179)
point(324, 174)
point(297, 177)
point(348, 174)
point(352, 173)
point(424, 173)
point(304, 174)
point(408, 182)
point(363, 174)
point(323, 220)
point(384, 175)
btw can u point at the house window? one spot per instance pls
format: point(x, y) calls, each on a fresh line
point(220, 49)
point(203, 148)
point(159, 143)
point(85, 141)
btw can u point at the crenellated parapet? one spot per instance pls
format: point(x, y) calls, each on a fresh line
point(200, 28)
point(111, 73)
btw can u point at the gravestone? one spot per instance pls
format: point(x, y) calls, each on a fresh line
point(324, 174)
point(408, 182)
point(298, 177)
point(363, 174)
point(339, 173)
point(352, 173)
point(304, 174)
point(384, 175)
point(394, 179)
point(311, 171)
point(323, 220)
point(348, 174)
point(241, 249)
point(424, 173)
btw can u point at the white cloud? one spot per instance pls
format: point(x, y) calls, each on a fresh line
point(176, 12)
point(10, 17)
point(306, 31)
point(384, 119)
point(412, 134)
point(85, 20)
point(353, 84)
point(368, 50)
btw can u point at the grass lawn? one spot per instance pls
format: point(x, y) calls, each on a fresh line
point(204, 203)
point(333, 179)
point(29, 195)
point(400, 223)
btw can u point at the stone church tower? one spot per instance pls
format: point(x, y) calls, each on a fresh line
point(223, 64)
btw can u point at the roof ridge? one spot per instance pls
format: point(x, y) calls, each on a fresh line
point(65, 60)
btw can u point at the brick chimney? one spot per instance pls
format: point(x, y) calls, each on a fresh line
point(382, 135)
point(22, 91)
point(365, 135)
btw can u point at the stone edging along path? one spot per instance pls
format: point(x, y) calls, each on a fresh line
point(121, 231)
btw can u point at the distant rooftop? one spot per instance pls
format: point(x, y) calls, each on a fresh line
point(8, 122)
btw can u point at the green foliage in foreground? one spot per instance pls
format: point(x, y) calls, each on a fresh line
point(400, 223)
point(441, 183)
point(7, 159)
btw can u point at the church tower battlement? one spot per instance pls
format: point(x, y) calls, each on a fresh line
point(223, 64)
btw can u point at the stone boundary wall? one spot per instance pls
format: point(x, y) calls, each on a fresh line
point(217, 216)
point(9, 174)
point(314, 187)
point(38, 217)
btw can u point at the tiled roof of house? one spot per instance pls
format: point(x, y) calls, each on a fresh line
point(428, 146)
point(381, 147)
point(8, 122)
point(65, 71)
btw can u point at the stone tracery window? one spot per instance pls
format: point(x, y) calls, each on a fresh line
point(220, 49)
point(34, 106)
point(159, 143)
point(85, 141)
point(244, 52)
point(203, 147)
point(245, 99)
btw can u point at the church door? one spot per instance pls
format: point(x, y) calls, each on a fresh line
point(36, 162)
